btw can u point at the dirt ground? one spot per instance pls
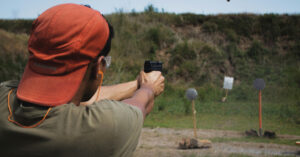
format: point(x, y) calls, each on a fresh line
point(163, 142)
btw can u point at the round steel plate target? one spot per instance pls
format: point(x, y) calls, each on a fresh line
point(191, 93)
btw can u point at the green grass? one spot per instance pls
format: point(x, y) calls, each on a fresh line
point(174, 111)
point(221, 122)
point(239, 112)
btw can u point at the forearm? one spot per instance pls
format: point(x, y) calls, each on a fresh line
point(143, 98)
point(114, 92)
point(119, 91)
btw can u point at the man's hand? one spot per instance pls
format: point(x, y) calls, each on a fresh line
point(150, 85)
point(153, 80)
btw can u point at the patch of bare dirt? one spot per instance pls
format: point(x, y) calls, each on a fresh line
point(163, 142)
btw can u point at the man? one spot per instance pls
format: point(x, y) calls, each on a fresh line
point(57, 109)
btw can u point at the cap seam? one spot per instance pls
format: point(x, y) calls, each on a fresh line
point(81, 36)
point(89, 21)
point(49, 25)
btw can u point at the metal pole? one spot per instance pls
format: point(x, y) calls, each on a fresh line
point(194, 113)
point(260, 117)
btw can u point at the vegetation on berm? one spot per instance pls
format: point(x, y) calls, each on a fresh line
point(197, 51)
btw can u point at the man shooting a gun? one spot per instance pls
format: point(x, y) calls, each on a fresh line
point(59, 107)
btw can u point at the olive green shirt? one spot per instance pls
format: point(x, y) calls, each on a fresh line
point(105, 128)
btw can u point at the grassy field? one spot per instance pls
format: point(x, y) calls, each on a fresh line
point(175, 111)
point(237, 122)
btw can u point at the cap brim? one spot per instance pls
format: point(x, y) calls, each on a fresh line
point(48, 90)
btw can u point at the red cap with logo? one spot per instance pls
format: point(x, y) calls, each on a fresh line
point(63, 41)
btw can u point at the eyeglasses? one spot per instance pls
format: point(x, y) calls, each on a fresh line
point(107, 60)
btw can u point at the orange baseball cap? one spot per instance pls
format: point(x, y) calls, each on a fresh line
point(63, 41)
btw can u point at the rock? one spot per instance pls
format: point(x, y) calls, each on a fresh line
point(223, 99)
point(251, 132)
point(269, 134)
point(191, 143)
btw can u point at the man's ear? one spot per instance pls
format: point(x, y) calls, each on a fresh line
point(100, 65)
point(96, 68)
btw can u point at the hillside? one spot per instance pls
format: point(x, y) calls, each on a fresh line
point(197, 51)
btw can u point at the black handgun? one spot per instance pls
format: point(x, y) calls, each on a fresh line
point(152, 66)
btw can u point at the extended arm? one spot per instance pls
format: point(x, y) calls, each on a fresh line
point(114, 92)
point(119, 91)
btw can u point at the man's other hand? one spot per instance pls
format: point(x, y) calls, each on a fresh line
point(154, 80)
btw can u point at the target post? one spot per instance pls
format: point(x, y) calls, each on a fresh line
point(259, 84)
point(192, 94)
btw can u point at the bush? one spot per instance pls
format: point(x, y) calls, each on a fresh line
point(242, 24)
point(12, 66)
point(231, 35)
point(295, 50)
point(16, 26)
point(180, 53)
point(269, 27)
point(191, 19)
point(289, 26)
point(13, 55)
point(209, 27)
point(160, 36)
point(150, 9)
point(257, 51)
point(234, 52)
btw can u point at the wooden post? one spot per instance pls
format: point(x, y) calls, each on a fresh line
point(226, 93)
point(260, 117)
point(194, 113)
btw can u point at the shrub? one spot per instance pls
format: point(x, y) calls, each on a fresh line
point(16, 26)
point(257, 51)
point(231, 35)
point(192, 19)
point(289, 26)
point(160, 36)
point(209, 27)
point(181, 52)
point(269, 27)
point(242, 24)
point(211, 51)
point(150, 9)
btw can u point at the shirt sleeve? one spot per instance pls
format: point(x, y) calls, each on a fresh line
point(110, 127)
point(128, 122)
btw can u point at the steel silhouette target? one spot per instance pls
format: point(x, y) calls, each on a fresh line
point(259, 84)
point(191, 94)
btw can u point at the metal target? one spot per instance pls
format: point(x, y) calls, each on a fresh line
point(228, 82)
point(259, 84)
point(191, 93)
